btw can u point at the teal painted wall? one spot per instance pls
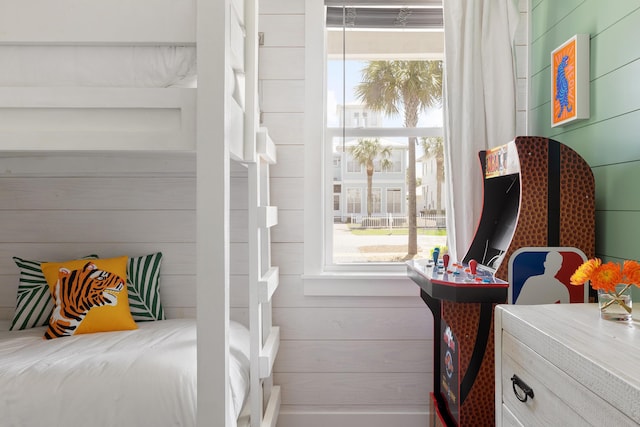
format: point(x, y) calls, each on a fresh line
point(610, 139)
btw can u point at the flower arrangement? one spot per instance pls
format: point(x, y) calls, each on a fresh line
point(605, 277)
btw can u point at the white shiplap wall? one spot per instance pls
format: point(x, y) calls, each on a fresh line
point(343, 361)
point(61, 205)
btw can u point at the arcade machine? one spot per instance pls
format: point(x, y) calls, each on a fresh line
point(537, 193)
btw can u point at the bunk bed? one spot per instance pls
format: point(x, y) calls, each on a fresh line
point(168, 79)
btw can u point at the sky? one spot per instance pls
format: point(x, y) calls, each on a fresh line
point(352, 76)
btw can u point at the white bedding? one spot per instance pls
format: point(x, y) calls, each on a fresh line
point(98, 66)
point(144, 377)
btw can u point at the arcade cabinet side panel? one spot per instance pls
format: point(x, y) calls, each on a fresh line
point(436, 419)
point(577, 203)
point(532, 226)
point(472, 326)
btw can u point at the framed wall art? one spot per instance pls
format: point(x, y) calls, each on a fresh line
point(570, 81)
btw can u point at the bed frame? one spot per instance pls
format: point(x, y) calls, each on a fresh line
point(218, 122)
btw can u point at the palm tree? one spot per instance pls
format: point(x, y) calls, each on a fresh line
point(433, 147)
point(406, 87)
point(365, 153)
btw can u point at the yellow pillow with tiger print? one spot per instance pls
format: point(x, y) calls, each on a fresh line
point(88, 296)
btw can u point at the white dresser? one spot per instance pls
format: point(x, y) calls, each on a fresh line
point(581, 370)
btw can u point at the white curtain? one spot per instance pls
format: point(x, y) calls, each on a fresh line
point(480, 103)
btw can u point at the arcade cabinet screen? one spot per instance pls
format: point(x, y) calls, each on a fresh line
point(498, 222)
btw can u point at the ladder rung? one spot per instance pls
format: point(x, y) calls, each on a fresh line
point(268, 284)
point(265, 146)
point(268, 216)
point(269, 352)
point(272, 410)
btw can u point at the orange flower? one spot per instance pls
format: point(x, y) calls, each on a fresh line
point(606, 277)
point(631, 272)
point(585, 271)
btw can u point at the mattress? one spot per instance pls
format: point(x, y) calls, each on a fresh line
point(129, 378)
point(98, 66)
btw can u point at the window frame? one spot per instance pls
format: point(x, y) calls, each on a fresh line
point(321, 278)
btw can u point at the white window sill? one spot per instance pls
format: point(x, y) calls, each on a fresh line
point(360, 284)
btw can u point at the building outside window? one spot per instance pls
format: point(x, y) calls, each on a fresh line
point(363, 44)
point(377, 206)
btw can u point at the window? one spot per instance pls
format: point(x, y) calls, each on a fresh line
point(346, 45)
point(352, 165)
point(394, 200)
point(396, 161)
point(337, 196)
point(354, 199)
point(377, 165)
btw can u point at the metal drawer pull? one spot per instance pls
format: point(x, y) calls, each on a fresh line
point(522, 391)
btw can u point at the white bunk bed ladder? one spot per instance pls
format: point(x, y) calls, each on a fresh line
point(264, 279)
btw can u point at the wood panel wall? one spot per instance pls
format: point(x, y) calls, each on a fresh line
point(63, 205)
point(608, 140)
point(521, 50)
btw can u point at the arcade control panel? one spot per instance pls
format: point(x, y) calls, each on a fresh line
point(441, 279)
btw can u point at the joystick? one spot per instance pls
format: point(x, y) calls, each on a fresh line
point(473, 266)
point(445, 260)
point(436, 254)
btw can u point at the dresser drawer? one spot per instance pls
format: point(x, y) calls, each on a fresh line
point(508, 419)
point(558, 398)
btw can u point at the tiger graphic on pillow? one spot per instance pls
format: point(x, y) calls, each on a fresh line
point(76, 292)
